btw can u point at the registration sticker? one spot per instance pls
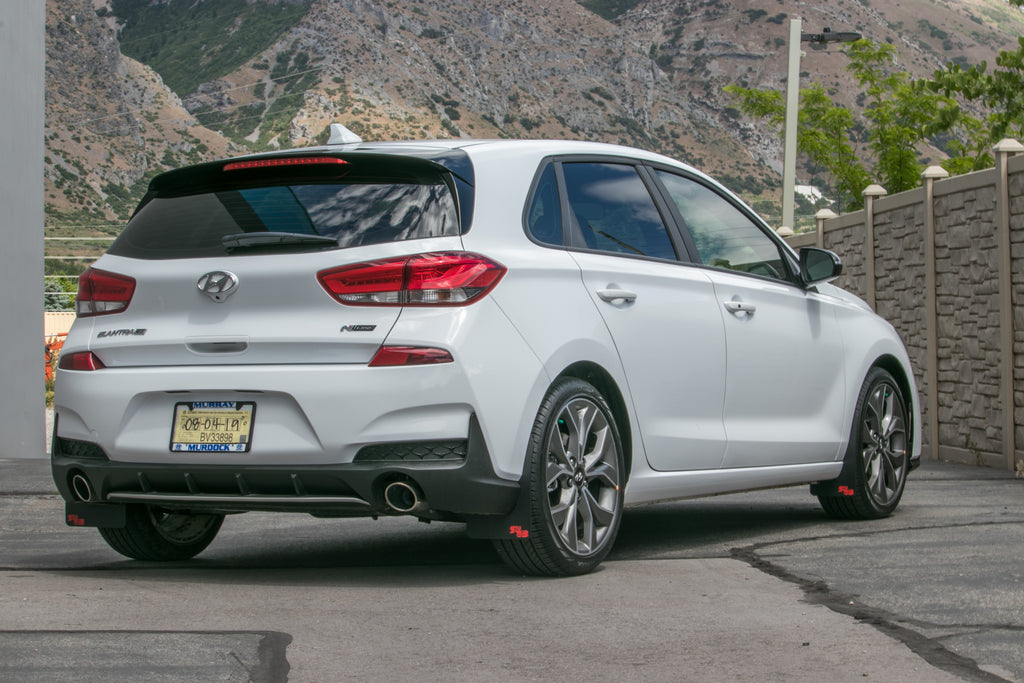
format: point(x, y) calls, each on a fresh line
point(213, 426)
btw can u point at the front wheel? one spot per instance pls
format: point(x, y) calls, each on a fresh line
point(878, 452)
point(576, 479)
point(154, 533)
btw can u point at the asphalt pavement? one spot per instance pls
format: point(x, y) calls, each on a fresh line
point(746, 587)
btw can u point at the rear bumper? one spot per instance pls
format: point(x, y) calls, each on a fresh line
point(458, 489)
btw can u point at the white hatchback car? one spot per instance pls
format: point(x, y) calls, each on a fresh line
point(522, 336)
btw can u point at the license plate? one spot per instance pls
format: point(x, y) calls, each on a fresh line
point(213, 426)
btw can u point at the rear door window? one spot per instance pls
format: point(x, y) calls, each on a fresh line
point(611, 210)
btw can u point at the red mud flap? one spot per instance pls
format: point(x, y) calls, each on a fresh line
point(94, 514)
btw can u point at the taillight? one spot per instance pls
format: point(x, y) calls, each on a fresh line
point(441, 279)
point(390, 356)
point(101, 293)
point(82, 360)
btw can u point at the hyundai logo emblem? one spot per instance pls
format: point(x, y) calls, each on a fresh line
point(218, 285)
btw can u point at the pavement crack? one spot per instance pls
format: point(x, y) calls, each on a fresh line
point(238, 659)
point(818, 592)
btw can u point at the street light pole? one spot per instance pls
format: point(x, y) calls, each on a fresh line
point(792, 102)
point(792, 107)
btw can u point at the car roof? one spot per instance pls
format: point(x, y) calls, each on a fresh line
point(453, 152)
point(473, 147)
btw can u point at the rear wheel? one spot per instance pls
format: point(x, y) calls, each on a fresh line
point(877, 451)
point(154, 533)
point(576, 479)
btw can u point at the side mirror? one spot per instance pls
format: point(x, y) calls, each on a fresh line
point(819, 265)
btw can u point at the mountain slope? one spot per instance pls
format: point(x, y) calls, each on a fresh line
point(258, 74)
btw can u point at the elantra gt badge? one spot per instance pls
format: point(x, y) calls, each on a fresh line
point(218, 285)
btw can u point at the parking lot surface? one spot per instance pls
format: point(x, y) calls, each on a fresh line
point(755, 586)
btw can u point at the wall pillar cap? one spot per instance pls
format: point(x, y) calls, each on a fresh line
point(784, 231)
point(874, 191)
point(934, 173)
point(1008, 145)
point(825, 214)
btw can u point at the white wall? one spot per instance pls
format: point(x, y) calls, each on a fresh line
point(23, 56)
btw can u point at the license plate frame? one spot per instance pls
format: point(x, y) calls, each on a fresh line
point(212, 426)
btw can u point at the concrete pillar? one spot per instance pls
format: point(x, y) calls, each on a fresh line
point(819, 220)
point(871, 192)
point(23, 55)
point(1004, 149)
point(931, 324)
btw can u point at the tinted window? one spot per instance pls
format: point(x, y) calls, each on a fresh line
point(725, 236)
point(544, 215)
point(353, 213)
point(613, 211)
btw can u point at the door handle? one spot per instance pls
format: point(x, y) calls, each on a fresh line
point(740, 307)
point(617, 296)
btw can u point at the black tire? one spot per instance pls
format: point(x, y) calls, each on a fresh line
point(877, 452)
point(161, 535)
point(575, 502)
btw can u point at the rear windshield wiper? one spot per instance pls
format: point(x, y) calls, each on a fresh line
point(272, 240)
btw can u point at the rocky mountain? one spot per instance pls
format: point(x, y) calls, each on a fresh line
point(138, 86)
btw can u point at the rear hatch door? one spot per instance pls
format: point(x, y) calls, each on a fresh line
point(225, 259)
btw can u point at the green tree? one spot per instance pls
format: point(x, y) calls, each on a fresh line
point(902, 113)
point(827, 141)
point(898, 116)
point(56, 298)
point(1000, 92)
point(823, 134)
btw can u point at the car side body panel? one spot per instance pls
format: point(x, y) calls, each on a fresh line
point(786, 385)
point(671, 341)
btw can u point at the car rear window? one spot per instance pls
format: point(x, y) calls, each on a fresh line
point(182, 219)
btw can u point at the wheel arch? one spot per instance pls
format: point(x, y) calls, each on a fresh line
point(601, 380)
point(862, 490)
point(511, 525)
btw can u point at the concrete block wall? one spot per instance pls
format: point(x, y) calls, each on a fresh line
point(967, 308)
point(900, 273)
point(967, 317)
point(1016, 210)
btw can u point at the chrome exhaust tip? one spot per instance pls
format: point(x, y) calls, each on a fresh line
point(81, 488)
point(404, 496)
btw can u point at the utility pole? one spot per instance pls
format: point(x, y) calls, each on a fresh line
point(793, 106)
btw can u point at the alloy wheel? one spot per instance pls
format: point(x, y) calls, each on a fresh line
point(582, 477)
point(884, 443)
